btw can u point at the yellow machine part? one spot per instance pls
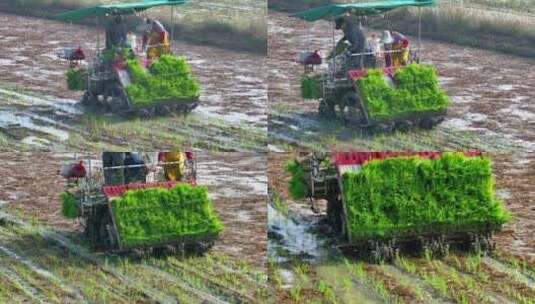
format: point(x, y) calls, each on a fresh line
point(175, 172)
point(401, 56)
point(157, 46)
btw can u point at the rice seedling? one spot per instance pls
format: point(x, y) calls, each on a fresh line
point(327, 292)
point(359, 271)
point(311, 87)
point(169, 80)
point(403, 196)
point(297, 185)
point(69, 207)
point(295, 294)
point(280, 205)
point(156, 216)
point(417, 91)
point(493, 280)
point(76, 79)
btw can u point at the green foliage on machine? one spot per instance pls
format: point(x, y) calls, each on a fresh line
point(311, 87)
point(297, 186)
point(412, 196)
point(77, 79)
point(169, 79)
point(157, 216)
point(69, 207)
point(114, 54)
point(416, 92)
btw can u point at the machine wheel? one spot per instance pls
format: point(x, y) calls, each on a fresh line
point(106, 235)
point(403, 126)
point(203, 246)
point(350, 109)
point(383, 128)
point(145, 113)
point(162, 110)
point(119, 101)
point(90, 230)
point(381, 252)
point(335, 215)
point(426, 123)
point(326, 109)
point(88, 99)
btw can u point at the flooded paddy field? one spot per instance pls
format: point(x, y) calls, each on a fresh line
point(44, 257)
point(306, 266)
point(491, 98)
point(37, 111)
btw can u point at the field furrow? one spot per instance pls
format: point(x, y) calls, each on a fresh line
point(213, 282)
point(495, 281)
point(66, 290)
point(15, 288)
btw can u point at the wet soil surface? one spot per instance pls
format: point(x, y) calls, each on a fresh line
point(31, 187)
point(39, 111)
point(491, 96)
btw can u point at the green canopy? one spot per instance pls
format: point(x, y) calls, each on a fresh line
point(115, 9)
point(362, 9)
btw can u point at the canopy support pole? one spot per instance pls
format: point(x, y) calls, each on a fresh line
point(361, 55)
point(419, 30)
point(308, 39)
point(172, 25)
point(98, 35)
point(334, 46)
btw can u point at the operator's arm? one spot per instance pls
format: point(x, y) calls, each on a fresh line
point(341, 46)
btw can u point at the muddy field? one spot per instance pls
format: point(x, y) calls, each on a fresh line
point(37, 110)
point(491, 96)
point(303, 261)
point(232, 271)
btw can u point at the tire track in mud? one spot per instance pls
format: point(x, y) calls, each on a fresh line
point(515, 273)
point(228, 292)
point(31, 289)
point(257, 280)
point(49, 122)
point(151, 293)
point(492, 282)
point(428, 293)
point(25, 287)
point(471, 286)
point(288, 128)
point(45, 274)
point(183, 285)
point(28, 118)
point(50, 252)
point(319, 253)
point(496, 277)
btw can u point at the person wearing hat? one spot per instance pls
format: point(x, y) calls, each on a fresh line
point(156, 40)
point(400, 46)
